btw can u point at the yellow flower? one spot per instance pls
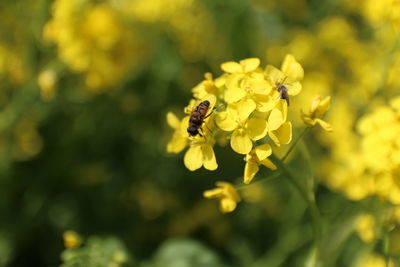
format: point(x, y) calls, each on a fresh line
point(209, 86)
point(201, 153)
point(71, 239)
point(290, 75)
point(47, 80)
point(374, 260)
point(280, 131)
point(365, 227)
point(180, 137)
point(258, 156)
point(243, 67)
point(227, 195)
point(245, 130)
point(94, 40)
point(246, 84)
point(318, 108)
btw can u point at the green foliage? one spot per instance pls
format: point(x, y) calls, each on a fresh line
point(97, 252)
point(183, 253)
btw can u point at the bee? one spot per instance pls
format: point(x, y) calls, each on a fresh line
point(197, 117)
point(283, 92)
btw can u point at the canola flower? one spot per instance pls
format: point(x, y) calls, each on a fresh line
point(72, 239)
point(318, 108)
point(247, 109)
point(92, 39)
point(227, 195)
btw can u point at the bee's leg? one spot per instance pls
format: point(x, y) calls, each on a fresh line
point(201, 130)
point(209, 115)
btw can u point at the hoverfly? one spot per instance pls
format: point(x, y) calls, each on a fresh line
point(197, 117)
point(283, 91)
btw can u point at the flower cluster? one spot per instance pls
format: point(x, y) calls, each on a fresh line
point(380, 150)
point(105, 40)
point(247, 106)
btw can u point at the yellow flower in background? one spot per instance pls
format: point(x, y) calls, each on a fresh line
point(317, 109)
point(245, 130)
point(227, 195)
point(258, 156)
point(374, 260)
point(180, 138)
point(92, 39)
point(383, 11)
point(365, 227)
point(72, 239)
point(47, 80)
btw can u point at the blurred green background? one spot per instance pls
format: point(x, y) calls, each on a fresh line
point(85, 86)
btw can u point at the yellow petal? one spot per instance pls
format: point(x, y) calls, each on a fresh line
point(265, 103)
point(193, 158)
point(233, 95)
point(177, 143)
point(173, 120)
point(284, 133)
point(282, 106)
point(226, 120)
point(250, 170)
point(274, 75)
point(245, 107)
point(326, 126)
point(293, 69)
point(234, 80)
point(209, 161)
point(267, 163)
point(315, 104)
point(240, 142)
point(323, 106)
point(230, 191)
point(231, 67)
point(275, 119)
point(262, 151)
point(274, 138)
point(294, 88)
point(250, 64)
point(256, 128)
point(184, 125)
point(261, 88)
point(213, 193)
point(227, 205)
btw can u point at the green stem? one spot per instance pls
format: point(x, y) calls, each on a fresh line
point(294, 144)
point(308, 196)
point(386, 248)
